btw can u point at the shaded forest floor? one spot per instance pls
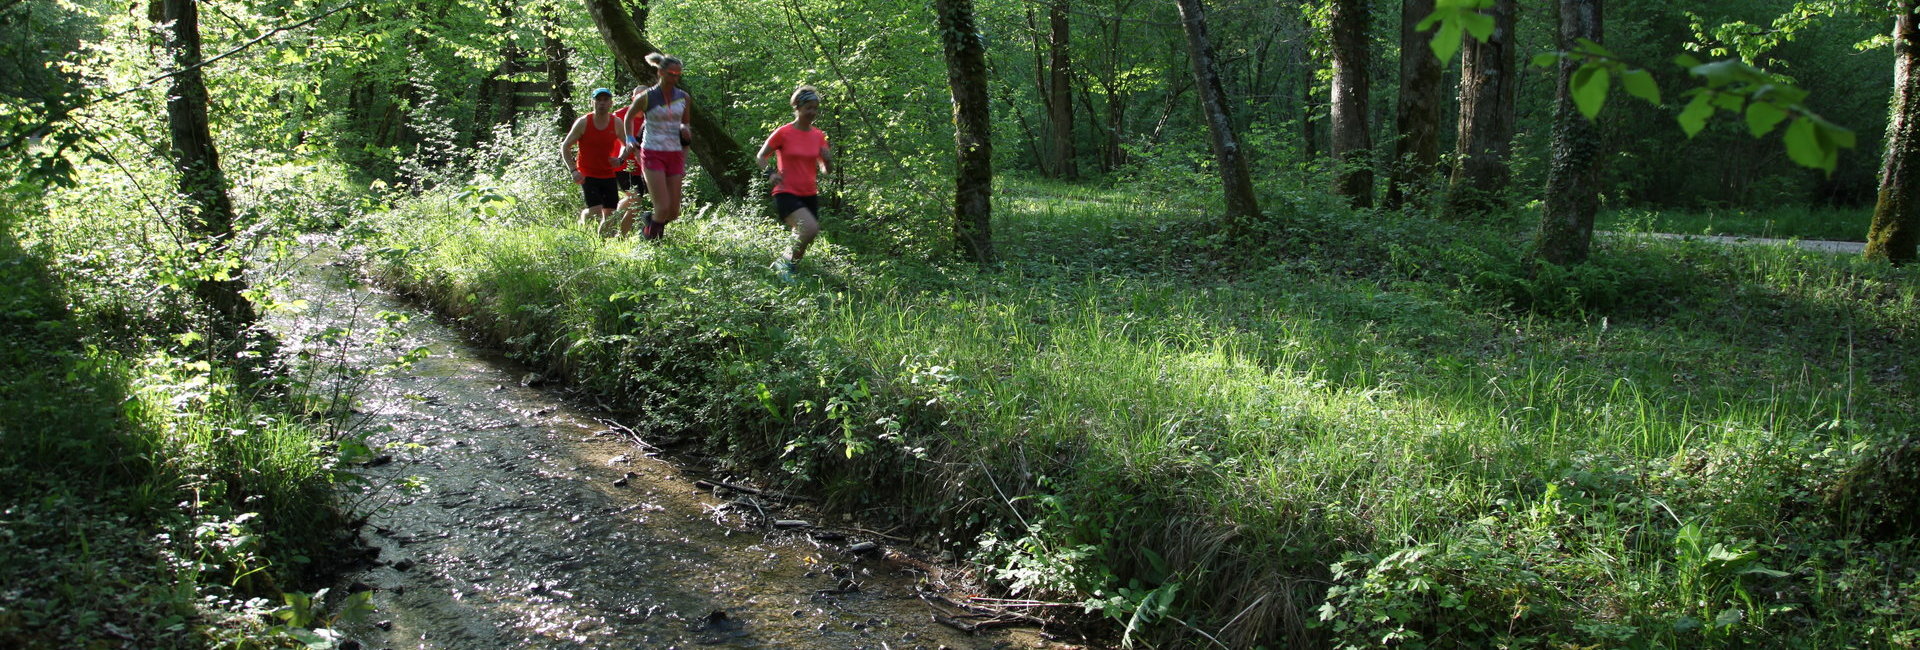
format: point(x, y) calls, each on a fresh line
point(143, 502)
point(1360, 428)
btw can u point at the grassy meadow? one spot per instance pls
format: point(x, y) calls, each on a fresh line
point(1362, 430)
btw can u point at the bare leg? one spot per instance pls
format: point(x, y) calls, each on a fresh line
point(657, 190)
point(625, 213)
point(666, 213)
point(805, 228)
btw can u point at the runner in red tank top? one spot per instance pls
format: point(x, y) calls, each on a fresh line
point(801, 152)
point(602, 143)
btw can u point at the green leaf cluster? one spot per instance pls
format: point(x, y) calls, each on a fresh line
point(1455, 17)
point(1765, 100)
point(1598, 68)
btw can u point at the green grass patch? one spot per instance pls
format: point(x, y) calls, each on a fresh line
point(1361, 430)
point(1784, 222)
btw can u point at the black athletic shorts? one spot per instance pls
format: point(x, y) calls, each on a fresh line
point(784, 204)
point(600, 192)
point(631, 182)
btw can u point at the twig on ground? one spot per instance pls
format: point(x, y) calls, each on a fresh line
point(709, 484)
point(876, 533)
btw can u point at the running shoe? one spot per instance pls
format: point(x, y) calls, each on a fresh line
point(783, 269)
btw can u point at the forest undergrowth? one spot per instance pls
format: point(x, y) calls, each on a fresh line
point(1358, 429)
point(151, 498)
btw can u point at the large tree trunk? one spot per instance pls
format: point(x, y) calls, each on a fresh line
point(559, 72)
point(1416, 145)
point(1895, 234)
point(1573, 179)
point(1060, 89)
point(637, 10)
point(1487, 83)
point(209, 215)
point(972, 133)
point(726, 162)
point(1352, 141)
point(1242, 208)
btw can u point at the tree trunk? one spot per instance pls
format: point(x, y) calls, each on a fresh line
point(1114, 153)
point(209, 215)
point(1895, 234)
point(972, 132)
point(726, 162)
point(1242, 208)
point(1487, 82)
point(1416, 145)
point(637, 10)
point(1352, 140)
point(1573, 178)
point(1060, 88)
point(559, 73)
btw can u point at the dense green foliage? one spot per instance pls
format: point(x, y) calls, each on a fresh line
point(1350, 428)
point(147, 501)
point(1356, 431)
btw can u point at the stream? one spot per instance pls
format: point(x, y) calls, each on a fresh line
point(532, 522)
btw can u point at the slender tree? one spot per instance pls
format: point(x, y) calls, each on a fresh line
point(1487, 83)
point(208, 217)
point(1352, 140)
point(559, 72)
point(966, 57)
point(1112, 154)
point(1573, 177)
point(1060, 90)
point(1416, 145)
point(1237, 185)
point(1895, 234)
point(726, 162)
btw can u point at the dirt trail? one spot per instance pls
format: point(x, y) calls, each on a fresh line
point(1816, 245)
point(539, 527)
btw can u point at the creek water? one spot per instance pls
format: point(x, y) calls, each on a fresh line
point(536, 524)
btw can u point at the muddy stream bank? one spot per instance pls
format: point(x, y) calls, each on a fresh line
point(537, 524)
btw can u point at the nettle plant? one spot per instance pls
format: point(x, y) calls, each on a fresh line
point(1763, 99)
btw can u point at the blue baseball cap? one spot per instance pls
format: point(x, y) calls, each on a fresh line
point(601, 91)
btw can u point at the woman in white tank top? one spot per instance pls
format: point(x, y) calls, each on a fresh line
point(663, 139)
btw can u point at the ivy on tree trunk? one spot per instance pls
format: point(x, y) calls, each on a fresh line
point(1573, 177)
point(1895, 234)
point(972, 132)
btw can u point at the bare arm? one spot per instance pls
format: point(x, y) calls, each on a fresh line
point(620, 129)
point(566, 144)
point(766, 152)
point(826, 157)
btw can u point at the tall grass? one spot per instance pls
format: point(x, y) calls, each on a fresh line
point(1352, 434)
